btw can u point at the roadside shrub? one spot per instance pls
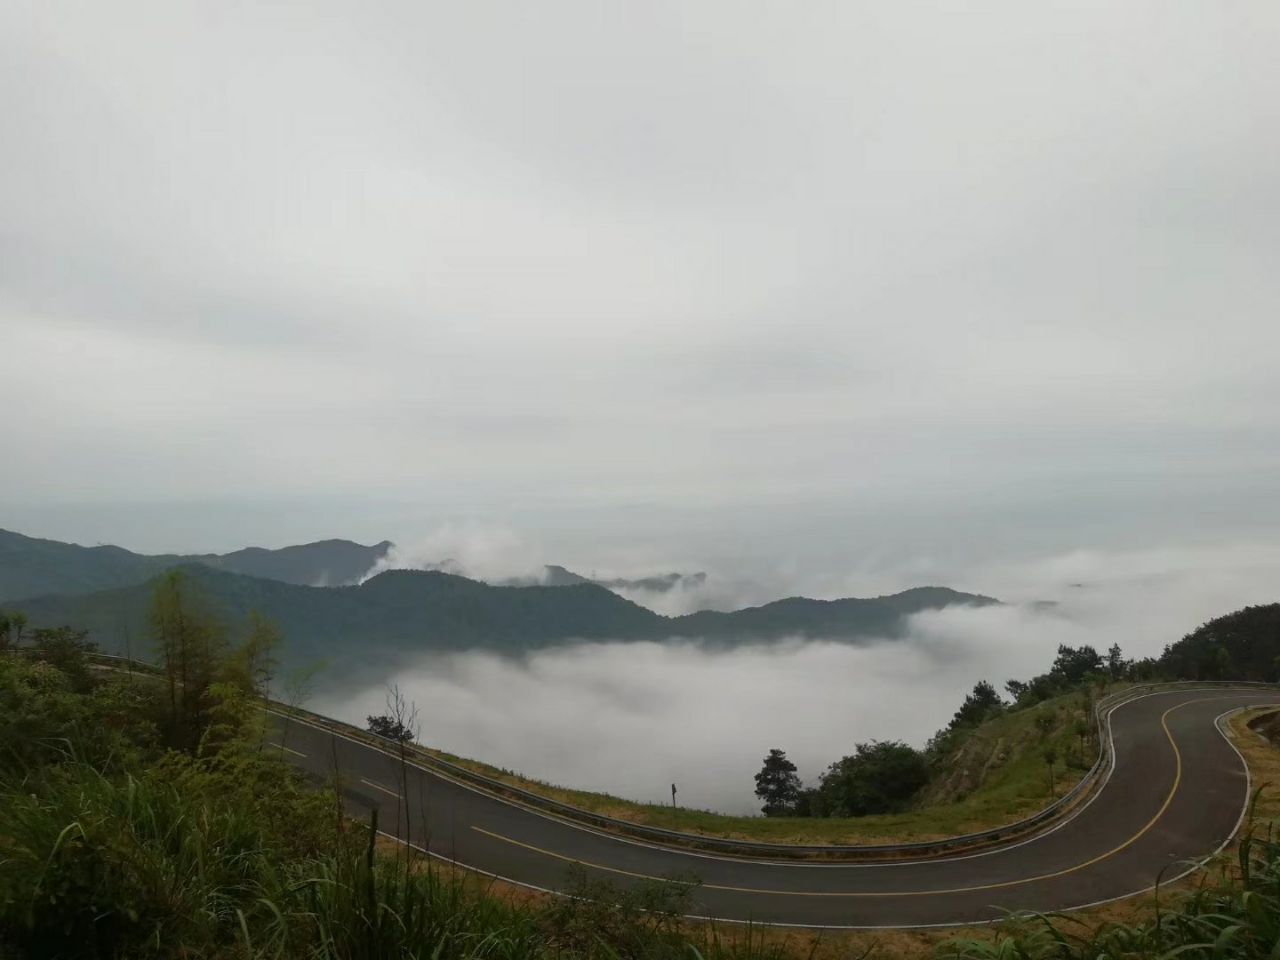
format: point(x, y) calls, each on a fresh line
point(880, 777)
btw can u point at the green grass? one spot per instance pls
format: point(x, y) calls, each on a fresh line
point(1009, 781)
point(227, 854)
point(1232, 912)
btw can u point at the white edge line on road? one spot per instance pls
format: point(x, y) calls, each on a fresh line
point(811, 926)
point(378, 786)
point(1001, 848)
point(281, 746)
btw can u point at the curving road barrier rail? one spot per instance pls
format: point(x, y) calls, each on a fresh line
point(1170, 790)
point(1046, 818)
point(1043, 819)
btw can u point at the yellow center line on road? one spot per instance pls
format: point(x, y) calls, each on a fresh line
point(1177, 780)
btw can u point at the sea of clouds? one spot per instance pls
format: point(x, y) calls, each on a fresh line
point(632, 718)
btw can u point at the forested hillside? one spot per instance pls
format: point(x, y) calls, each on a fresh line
point(147, 818)
point(1244, 645)
point(31, 567)
point(403, 612)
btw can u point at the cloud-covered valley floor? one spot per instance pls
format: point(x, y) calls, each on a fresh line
point(632, 718)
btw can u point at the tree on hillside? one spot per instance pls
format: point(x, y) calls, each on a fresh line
point(1115, 662)
point(12, 624)
point(67, 650)
point(1081, 729)
point(394, 725)
point(388, 726)
point(880, 777)
point(1244, 645)
point(1219, 666)
point(1016, 689)
point(1073, 664)
point(777, 784)
point(1045, 721)
point(1146, 669)
point(1050, 754)
point(191, 644)
point(977, 706)
point(252, 666)
point(1044, 686)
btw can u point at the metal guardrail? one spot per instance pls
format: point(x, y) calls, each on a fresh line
point(759, 849)
point(1103, 708)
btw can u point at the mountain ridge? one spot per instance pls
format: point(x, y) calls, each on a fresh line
point(36, 566)
point(402, 613)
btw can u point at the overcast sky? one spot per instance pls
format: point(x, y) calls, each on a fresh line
point(644, 282)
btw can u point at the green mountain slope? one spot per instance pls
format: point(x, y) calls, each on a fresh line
point(1244, 645)
point(557, 576)
point(32, 567)
point(849, 618)
point(325, 563)
point(402, 612)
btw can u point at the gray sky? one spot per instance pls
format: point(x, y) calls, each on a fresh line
point(645, 282)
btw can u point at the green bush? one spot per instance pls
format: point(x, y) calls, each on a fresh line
point(113, 847)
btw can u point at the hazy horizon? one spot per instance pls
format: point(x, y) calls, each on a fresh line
point(830, 300)
point(853, 285)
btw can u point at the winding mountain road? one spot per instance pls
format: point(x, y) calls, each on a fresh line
point(1176, 794)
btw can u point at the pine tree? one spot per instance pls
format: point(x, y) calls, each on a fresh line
point(777, 784)
point(1115, 662)
point(191, 644)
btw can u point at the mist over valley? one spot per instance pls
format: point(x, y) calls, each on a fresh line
point(586, 682)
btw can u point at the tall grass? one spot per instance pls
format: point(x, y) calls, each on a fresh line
point(227, 854)
point(1233, 912)
point(155, 866)
point(94, 864)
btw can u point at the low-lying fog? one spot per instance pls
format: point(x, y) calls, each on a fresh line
point(632, 718)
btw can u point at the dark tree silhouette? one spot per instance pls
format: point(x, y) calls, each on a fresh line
point(1115, 662)
point(777, 784)
point(880, 777)
point(977, 706)
point(1073, 664)
point(391, 728)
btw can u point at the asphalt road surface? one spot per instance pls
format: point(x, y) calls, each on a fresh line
point(1175, 795)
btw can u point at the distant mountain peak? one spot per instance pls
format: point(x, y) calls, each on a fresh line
point(399, 614)
point(30, 566)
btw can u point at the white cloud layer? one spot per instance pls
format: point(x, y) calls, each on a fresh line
point(691, 273)
point(632, 718)
point(479, 551)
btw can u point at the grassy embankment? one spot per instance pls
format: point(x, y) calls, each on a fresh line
point(1196, 909)
point(115, 846)
point(116, 843)
point(996, 776)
